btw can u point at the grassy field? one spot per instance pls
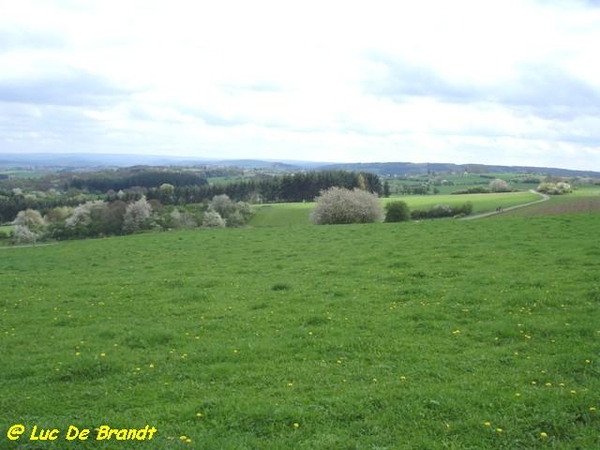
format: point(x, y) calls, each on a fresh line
point(425, 335)
point(289, 214)
point(282, 214)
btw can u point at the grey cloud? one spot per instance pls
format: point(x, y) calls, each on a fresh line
point(72, 88)
point(551, 92)
point(402, 81)
point(541, 89)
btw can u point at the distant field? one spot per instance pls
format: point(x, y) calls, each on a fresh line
point(481, 202)
point(6, 228)
point(23, 173)
point(422, 335)
point(288, 214)
point(583, 200)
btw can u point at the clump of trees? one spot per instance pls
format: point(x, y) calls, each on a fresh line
point(232, 214)
point(100, 218)
point(559, 188)
point(343, 206)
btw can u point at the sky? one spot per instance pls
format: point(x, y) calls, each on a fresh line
point(510, 83)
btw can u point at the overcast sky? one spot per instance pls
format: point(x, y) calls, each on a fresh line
point(494, 82)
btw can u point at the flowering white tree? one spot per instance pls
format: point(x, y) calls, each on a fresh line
point(222, 204)
point(29, 226)
point(137, 215)
point(499, 185)
point(22, 234)
point(31, 219)
point(83, 214)
point(213, 219)
point(234, 214)
point(338, 205)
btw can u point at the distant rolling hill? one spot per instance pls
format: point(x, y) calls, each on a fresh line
point(406, 168)
point(91, 161)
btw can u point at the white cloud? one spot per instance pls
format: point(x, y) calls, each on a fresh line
point(512, 82)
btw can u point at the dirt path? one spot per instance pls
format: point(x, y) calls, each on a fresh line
point(45, 244)
point(544, 198)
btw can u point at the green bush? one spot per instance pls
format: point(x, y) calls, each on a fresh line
point(439, 211)
point(397, 211)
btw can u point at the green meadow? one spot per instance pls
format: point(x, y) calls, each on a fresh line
point(442, 334)
point(290, 214)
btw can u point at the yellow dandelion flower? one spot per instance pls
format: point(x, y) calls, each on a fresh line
point(296, 425)
point(543, 435)
point(592, 409)
point(183, 437)
point(456, 332)
point(548, 384)
point(102, 355)
point(517, 394)
point(499, 430)
point(573, 392)
point(487, 424)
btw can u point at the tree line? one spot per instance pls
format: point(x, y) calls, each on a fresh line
point(182, 188)
point(297, 187)
point(98, 218)
point(149, 178)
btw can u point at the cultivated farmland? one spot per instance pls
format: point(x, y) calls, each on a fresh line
point(431, 334)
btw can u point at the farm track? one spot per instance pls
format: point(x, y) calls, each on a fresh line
point(544, 198)
point(45, 244)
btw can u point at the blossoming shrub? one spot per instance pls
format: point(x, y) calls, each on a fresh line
point(212, 219)
point(341, 206)
point(499, 185)
point(559, 188)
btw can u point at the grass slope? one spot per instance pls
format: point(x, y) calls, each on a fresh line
point(438, 334)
